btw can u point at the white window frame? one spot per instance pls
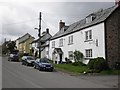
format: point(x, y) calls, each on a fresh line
point(88, 53)
point(61, 42)
point(70, 40)
point(88, 35)
point(70, 53)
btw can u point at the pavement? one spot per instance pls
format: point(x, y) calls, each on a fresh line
point(15, 75)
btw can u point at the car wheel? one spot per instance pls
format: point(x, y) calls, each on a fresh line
point(51, 70)
point(39, 69)
point(26, 64)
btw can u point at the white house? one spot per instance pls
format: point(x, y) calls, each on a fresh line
point(45, 40)
point(92, 36)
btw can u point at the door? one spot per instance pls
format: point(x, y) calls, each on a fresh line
point(60, 58)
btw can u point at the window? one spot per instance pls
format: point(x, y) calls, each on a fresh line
point(70, 39)
point(61, 42)
point(88, 35)
point(88, 53)
point(53, 44)
point(70, 54)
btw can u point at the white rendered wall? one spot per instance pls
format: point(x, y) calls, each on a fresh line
point(80, 44)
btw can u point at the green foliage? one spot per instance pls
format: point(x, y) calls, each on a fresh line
point(4, 49)
point(67, 60)
point(20, 56)
point(11, 46)
point(98, 64)
point(78, 56)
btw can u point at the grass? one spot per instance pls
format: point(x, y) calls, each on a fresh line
point(71, 68)
point(110, 72)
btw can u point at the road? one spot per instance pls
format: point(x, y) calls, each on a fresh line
point(15, 75)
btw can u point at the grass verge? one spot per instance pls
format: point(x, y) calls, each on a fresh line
point(69, 68)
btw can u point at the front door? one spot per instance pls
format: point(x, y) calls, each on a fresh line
point(60, 58)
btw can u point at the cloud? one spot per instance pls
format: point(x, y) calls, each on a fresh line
point(21, 18)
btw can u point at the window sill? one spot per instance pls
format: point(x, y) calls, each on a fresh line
point(70, 43)
point(86, 58)
point(88, 40)
point(61, 46)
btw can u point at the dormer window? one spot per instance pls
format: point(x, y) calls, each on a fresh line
point(90, 18)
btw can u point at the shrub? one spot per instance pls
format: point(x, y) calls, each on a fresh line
point(78, 56)
point(98, 64)
point(67, 60)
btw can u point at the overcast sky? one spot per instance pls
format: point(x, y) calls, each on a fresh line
point(21, 18)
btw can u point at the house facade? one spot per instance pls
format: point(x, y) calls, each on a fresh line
point(23, 43)
point(45, 41)
point(95, 36)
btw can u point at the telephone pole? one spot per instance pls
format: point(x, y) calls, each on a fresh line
point(39, 35)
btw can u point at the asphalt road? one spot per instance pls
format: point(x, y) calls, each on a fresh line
point(15, 75)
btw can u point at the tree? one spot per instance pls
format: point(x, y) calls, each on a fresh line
point(11, 46)
point(78, 56)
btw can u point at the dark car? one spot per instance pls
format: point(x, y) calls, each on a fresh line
point(28, 60)
point(43, 64)
point(13, 56)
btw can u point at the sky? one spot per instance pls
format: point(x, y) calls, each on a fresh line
point(19, 18)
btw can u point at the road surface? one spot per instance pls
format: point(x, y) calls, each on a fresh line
point(15, 75)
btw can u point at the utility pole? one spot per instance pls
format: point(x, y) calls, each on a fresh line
point(39, 35)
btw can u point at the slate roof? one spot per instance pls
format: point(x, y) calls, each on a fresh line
point(24, 37)
point(100, 16)
point(58, 50)
point(44, 38)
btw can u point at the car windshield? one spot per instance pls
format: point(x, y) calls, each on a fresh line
point(44, 61)
point(30, 58)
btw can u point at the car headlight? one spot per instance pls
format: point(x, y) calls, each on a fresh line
point(28, 61)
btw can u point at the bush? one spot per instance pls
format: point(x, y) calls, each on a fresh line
point(98, 64)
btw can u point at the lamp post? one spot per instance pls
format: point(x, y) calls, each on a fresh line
point(39, 35)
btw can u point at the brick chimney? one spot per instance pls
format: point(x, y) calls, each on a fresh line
point(47, 30)
point(61, 24)
point(117, 2)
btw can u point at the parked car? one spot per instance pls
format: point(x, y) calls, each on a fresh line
point(13, 56)
point(28, 60)
point(43, 64)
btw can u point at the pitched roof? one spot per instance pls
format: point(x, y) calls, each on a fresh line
point(24, 37)
point(100, 16)
point(58, 50)
point(44, 38)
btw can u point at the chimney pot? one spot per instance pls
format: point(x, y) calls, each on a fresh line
point(47, 30)
point(61, 24)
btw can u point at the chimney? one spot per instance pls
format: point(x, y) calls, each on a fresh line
point(47, 30)
point(117, 2)
point(61, 24)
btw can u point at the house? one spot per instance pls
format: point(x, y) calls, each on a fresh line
point(23, 43)
point(45, 40)
point(96, 35)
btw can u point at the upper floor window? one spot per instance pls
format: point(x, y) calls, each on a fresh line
point(61, 42)
point(88, 35)
point(88, 53)
point(53, 44)
point(90, 18)
point(70, 39)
